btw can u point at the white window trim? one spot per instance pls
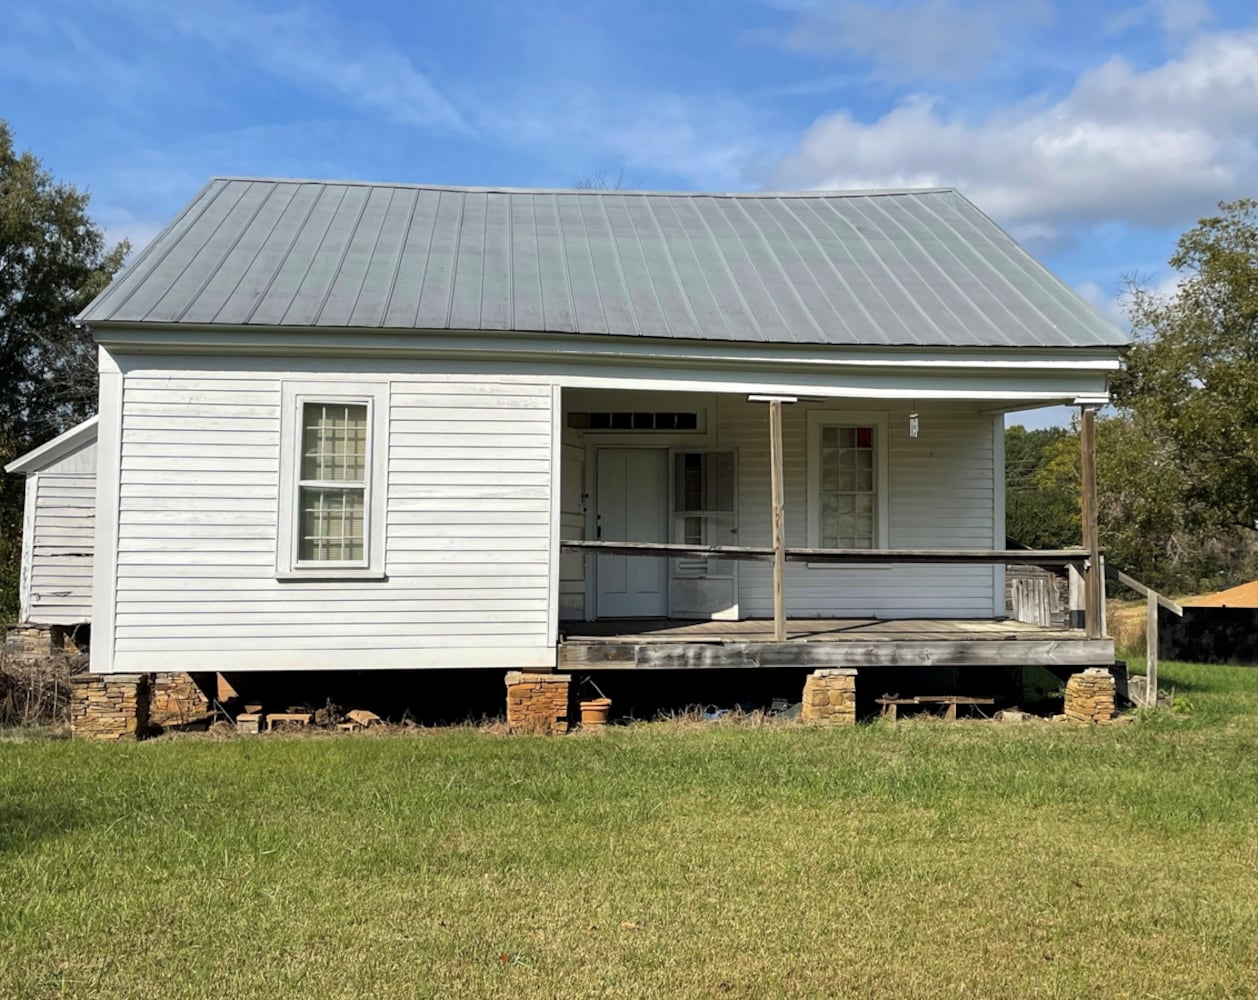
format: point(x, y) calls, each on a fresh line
point(295, 395)
point(877, 419)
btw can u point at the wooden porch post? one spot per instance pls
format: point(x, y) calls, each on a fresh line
point(779, 520)
point(1094, 588)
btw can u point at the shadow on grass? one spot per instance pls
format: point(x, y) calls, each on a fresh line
point(36, 819)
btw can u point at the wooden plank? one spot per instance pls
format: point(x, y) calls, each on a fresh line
point(909, 653)
point(779, 520)
point(673, 550)
point(1144, 591)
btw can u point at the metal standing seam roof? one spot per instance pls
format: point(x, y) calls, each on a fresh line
point(880, 268)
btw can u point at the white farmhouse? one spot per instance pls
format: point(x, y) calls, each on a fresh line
point(386, 426)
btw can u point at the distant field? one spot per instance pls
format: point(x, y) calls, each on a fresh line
point(668, 860)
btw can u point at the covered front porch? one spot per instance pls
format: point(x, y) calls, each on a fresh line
point(696, 528)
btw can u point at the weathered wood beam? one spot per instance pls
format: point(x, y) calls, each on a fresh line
point(672, 550)
point(898, 653)
point(669, 550)
point(1144, 591)
point(778, 491)
point(1047, 557)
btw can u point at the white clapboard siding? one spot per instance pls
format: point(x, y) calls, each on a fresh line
point(467, 556)
point(942, 495)
point(62, 538)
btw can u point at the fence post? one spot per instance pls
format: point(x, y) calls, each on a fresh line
point(1151, 653)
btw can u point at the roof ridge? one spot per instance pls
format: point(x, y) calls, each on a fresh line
point(604, 192)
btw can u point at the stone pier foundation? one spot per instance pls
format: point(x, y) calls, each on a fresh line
point(830, 697)
point(1090, 697)
point(176, 699)
point(538, 702)
point(109, 706)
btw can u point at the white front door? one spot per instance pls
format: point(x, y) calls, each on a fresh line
point(631, 505)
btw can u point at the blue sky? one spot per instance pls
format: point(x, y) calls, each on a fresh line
point(1095, 132)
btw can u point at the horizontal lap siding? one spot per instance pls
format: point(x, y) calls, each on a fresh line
point(469, 509)
point(468, 521)
point(942, 495)
point(61, 548)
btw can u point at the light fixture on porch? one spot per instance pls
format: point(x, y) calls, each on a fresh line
point(914, 424)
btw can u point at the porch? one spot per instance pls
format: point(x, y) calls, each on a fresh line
point(667, 644)
point(725, 530)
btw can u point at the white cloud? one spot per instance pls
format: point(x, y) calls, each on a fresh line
point(934, 38)
point(1143, 147)
point(311, 49)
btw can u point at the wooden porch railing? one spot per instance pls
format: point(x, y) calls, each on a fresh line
point(1154, 601)
point(1054, 559)
point(1047, 558)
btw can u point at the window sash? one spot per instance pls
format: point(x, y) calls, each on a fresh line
point(332, 510)
point(848, 487)
point(860, 496)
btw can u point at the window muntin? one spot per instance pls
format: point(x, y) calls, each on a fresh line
point(848, 487)
point(332, 489)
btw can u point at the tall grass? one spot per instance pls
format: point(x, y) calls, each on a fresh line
point(662, 860)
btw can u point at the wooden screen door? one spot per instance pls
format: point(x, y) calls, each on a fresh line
point(631, 505)
point(703, 512)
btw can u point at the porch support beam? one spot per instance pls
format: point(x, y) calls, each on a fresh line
point(1093, 580)
point(779, 520)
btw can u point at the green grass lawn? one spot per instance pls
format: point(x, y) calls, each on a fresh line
point(926, 859)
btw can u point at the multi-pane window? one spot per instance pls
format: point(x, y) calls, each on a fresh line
point(332, 489)
point(848, 488)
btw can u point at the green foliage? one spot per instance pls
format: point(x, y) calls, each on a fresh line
point(1040, 512)
point(53, 261)
point(1144, 508)
point(1193, 375)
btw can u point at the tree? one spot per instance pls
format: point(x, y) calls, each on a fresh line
point(1040, 512)
point(1143, 508)
point(1192, 376)
point(53, 261)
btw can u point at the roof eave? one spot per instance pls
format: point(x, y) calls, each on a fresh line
point(59, 447)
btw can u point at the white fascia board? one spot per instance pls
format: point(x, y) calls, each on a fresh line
point(58, 448)
point(320, 341)
point(1001, 389)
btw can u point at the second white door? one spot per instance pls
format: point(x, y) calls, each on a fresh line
point(631, 505)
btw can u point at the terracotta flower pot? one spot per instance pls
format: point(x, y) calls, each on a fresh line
point(594, 712)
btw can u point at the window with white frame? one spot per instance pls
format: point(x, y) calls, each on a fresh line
point(332, 491)
point(847, 480)
point(332, 478)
